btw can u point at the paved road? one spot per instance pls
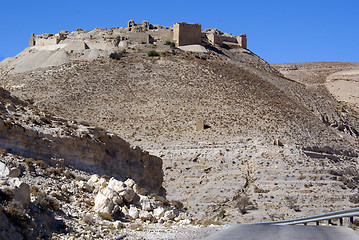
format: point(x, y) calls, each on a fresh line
point(287, 232)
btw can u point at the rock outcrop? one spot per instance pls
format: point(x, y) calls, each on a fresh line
point(40, 136)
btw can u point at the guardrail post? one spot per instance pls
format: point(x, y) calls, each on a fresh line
point(317, 223)
point(305, 224)
point(351, 220)
point(329, 222)
point(340, 221)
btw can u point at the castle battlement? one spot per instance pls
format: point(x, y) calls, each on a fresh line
point(181, 34)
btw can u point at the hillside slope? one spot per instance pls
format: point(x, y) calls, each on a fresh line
point(154, 102)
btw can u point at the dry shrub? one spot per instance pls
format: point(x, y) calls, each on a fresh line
point(2, 151)
point(209, 222)
point(242, 203)
point(6, 194)
point(16, 214)
point(292, 203)
point(41, 164)
point(260, 190)
point(46, 202)
point(88, 219)
point(176, 204)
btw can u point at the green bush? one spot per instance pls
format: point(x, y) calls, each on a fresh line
point(172, 44)
point(152, 54)
point(118, 55)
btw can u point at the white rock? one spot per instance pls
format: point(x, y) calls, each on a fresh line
point(124, 210)
point(145, 215)
point(4, 170)
point(118, 225)
point(113, 195)
point(85, 186)
point(102, 183)
point(145, 203)
point(130, 182)
point(117, 200)
point(169, 215)
point(116, 185)
point(108, 192)
point(159, 212)
point(128, 194)
point(185, 221)
point(93, 180)
point(103, 204)
point(133, 212)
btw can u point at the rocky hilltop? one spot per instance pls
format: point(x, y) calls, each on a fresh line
point(240, 140)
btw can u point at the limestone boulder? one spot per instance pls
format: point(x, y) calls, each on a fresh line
point(93, 180)
point(113, 195)
point(159, 212)
point(85, 186)
point(116, 185)
point(133, 212)
point(118, 225)
point(169, 215)
point(145, 203)
point(145, 215)
point(103, 203)
point(128, 194)
point(4, 170)
point(130, 182)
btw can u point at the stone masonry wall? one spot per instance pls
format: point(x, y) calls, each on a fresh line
point(187, 33)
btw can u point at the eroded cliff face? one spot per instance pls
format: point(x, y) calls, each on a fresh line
point(27, 132)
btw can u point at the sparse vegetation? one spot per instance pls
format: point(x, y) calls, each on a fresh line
point(117, 55)
point(172, 44)
point(16, 214)
point(243, 203)
point(260, 190)
point(46, 202)
point(292, 203)
point(152, 54)
point(209, 222)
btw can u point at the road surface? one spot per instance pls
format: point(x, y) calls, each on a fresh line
point(292, 232)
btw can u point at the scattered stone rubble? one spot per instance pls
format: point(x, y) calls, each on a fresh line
point(81, 205)
point(44, 195)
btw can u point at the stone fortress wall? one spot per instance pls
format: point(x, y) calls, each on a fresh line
point(181, 34)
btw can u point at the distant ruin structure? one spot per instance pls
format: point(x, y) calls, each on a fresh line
point(133, 27)
point(181, 34)
point(199, 124)
point(187, 33)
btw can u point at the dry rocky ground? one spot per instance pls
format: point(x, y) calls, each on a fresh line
point(231, 172)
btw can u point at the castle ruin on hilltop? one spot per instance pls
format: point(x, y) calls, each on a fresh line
point(181, 34)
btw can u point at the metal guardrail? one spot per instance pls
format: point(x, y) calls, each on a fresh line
point(317, 218)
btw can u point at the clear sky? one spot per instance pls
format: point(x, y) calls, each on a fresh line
point(278, 31)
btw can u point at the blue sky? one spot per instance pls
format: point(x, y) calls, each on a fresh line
point(278, 31)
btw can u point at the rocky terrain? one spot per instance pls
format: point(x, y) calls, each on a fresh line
point(276, 144)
